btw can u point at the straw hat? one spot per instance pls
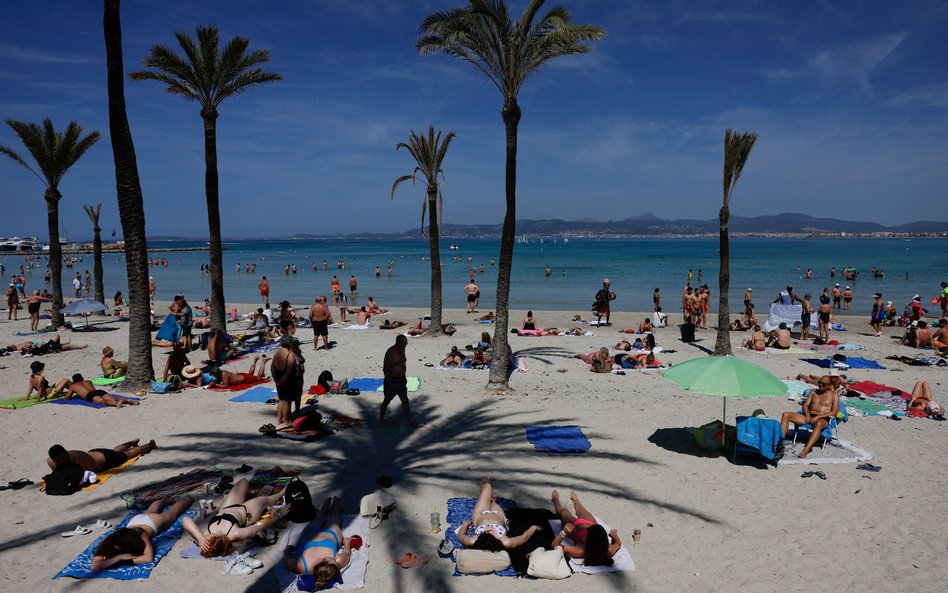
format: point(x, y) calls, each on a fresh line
point(190, 372)
point(107, 351)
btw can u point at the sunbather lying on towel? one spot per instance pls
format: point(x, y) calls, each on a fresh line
point(592, 543)
point(490, 525)
point(599, 362)
point(421, 328)
point(327, 553)
point(224, 378)
point(491, 316)
point(98, 460)
point(51, 346)
point(821, 406)
point(391, 324)
point(133, 542)
point(85, 390)
point(922, 400)
point(237, 520)
point(454, 358)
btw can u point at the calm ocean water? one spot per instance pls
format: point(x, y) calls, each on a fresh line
point(635, 266)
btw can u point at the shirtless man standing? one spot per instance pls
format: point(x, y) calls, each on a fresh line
point(320, 317)
point(471, 289)
point(818, 409)
point(837, 296)
point(85, 390)
point(99, 460)
point(805, 315)
point(396, 383)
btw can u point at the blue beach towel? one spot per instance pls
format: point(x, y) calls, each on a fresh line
point(857, 362)
point(366, 383)
point(257, 394)
point(81, 402)
point(558, 439)
point(80, 568)
point(169, 331)
point(459, 511)
point(823, 363)
point(760, 434)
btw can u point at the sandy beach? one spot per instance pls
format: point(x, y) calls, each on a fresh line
point(707, 524)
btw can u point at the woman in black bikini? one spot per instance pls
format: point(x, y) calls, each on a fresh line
point(529, 322)
point(40, 385)
point(237, 520)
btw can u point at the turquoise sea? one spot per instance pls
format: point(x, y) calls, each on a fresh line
point(635, 266)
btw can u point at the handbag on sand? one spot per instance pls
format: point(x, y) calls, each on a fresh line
point(549, 564)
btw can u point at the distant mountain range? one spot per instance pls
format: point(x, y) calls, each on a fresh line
point(649, 224)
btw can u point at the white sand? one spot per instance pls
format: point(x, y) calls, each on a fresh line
point(715, 526)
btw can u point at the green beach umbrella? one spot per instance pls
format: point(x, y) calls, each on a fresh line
point(726, 376)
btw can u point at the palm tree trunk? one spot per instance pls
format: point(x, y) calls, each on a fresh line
point(214, 222)
point(55, 254)
point(434, 237)
point(498, 368)
point(131, 207)
point(98, 272)
point(722, 346)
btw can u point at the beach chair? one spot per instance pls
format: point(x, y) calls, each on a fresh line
point(828, 434)
point(758, 439)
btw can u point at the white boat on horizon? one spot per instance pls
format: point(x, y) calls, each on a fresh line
point(18, 244)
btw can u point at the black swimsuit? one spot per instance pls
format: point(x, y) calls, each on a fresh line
point(232, 519)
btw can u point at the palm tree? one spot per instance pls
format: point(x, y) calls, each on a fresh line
point(55, 153)
point(207, 76)
point(737, 148)
point(506, 52)
point(428, 152)
point(93, 213)
point(131, 207)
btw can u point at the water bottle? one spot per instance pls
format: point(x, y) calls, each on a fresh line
point(435, 522)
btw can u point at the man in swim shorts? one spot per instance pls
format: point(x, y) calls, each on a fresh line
point(320, 317)
point(394, 368)
point(86, 391)
point(99, 460)
point(805, 313)
point(837, 296)
point(472, 291)
point(603, 297)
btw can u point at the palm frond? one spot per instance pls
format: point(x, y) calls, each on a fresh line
point(737, 149)
point(93, 212)
point(54, 152)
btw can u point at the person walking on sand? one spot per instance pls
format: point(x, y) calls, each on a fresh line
point(394, 368)
point(878, 314)
point(320, 317)
point(471, 289)
point(264, 287)
point(603, 309)
point(657, 301)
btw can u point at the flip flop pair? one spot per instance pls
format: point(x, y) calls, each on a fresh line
point(411, 560)
point(819, 475)
point(17, 485)
point(79, 530)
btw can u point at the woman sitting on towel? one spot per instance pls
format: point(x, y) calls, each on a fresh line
point(489, 524)
point(132, 543)
point(237, 520)
point(326, 553)
point(479, 359)
point(529, 322)
point(453, 359)
point(590, 541)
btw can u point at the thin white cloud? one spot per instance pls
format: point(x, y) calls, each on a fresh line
point(851, 63)
point(933, 95)
point(10, 52)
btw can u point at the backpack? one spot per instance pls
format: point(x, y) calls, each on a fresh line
point(65, 480)
point(297, 494)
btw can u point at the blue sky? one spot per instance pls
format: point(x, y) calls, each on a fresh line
point(850, 100)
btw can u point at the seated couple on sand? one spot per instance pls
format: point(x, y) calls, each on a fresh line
point(78, 387)
point(489, 530)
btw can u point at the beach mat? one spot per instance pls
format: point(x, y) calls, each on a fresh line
point(102, 380)
point(36, 333)
point(558, 439)
point(81, 402)
point(858, 362)
point(298, 533)
point(459, 511)
point(860, 407)
point(174, 486)
point(241, 386)
point(871, 387)
point(80, 568)
point(833, 452)
point(275, 476)
point(621, 561)
point(365, 384)
point(257, 394)
point(18, 403)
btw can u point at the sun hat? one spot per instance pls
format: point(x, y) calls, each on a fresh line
point(834, 373)
point(190, 372)
point(847, 288)
point(36, 366)
point(107, 351)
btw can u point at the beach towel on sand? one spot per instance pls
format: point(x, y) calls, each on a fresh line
point(327, 426)
point(872, 388)
point(101, 380)
point(621, 561)
point(857, 362)
point(366, 384)
point(558, 439)
point(860, 407)
point(81, 567)
point(18, 403)
point(174, 486)
point(169, 331)
point(833, 452)
point(105, 475)
point(249, 381)
point(297, 534)
point(81, 402)
point(459, 511)
point(257, 394)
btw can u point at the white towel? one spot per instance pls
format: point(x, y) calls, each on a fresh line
point(621, 561)
point(353, 577)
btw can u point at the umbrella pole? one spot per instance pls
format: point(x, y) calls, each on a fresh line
point(724, 425)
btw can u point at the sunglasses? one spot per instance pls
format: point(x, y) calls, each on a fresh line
point(824, 383)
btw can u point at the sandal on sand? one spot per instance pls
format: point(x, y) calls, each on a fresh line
point(79, 530)
point(267, 428)
point(807, 474)
point(17, 485)
point(411, 560)
point(820, 475)
point(869, 467)
point(103, 524)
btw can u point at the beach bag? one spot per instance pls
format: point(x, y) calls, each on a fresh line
point(339, 386)
point(472, 561)
point(162, 386)
point(378, 505)
point(65, 480)
point(549, 564)
point(297, 494)
point(310, 421)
